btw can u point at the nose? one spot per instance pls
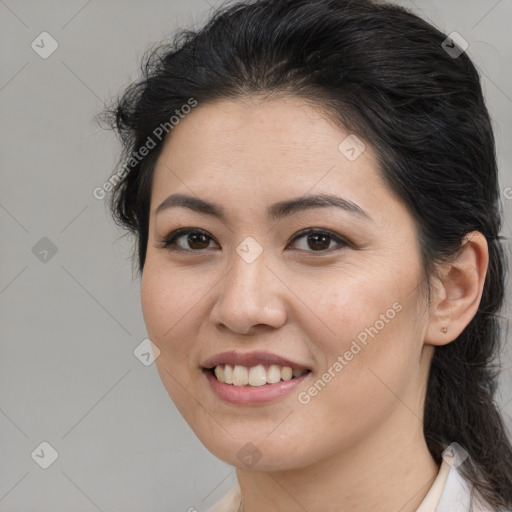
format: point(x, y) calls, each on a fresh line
point(250, 296)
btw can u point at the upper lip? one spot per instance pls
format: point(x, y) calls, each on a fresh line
point(250, 359)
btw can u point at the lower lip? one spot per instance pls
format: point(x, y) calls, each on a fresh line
point(252, 395)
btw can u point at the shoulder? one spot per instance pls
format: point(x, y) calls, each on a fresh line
point(456, 496)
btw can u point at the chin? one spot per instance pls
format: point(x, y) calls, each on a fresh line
point(262, 455)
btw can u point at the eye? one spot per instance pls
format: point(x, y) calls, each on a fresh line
point(196, 239)
point(319, 240)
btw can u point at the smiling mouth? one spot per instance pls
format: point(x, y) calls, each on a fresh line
point(254, 376)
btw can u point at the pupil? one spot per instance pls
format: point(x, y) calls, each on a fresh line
point(323, 245)
point(195, 236)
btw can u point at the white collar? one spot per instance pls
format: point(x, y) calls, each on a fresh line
point(431, 500)
point(456, 495)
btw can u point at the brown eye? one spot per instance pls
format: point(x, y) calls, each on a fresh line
point(319, 241)
point(194, 240)
point(197, 240)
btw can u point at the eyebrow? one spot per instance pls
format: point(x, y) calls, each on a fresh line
point(276, 211)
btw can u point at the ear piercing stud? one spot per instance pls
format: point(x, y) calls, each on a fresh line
point(444, 330)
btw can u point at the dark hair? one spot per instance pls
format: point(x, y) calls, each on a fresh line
point(385, 75)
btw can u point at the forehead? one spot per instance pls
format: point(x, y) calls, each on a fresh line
point(261, 144)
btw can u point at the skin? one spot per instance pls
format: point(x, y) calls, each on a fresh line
point(358, 445)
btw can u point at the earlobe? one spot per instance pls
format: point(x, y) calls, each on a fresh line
point(458, 290)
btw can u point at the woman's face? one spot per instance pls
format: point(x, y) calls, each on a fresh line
point(347, 303)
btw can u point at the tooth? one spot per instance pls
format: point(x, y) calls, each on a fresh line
point(286, 373)
point(273, 374)
point(228, 374)
point(254, 376)
point(257, 375)
point(240, 376)
point(219, 372)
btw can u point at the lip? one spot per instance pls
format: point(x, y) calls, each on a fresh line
point(250, 359)
point(252, 395)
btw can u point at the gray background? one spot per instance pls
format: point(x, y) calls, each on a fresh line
point(71, 321)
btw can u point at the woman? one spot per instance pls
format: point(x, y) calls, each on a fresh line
point(313, 189)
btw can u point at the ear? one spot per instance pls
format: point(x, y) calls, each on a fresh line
point(457, 290)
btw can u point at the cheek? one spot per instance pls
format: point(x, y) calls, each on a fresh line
point(166, 297)
point(374, 336)
point(166, 308)
point(165, 304)
point(354, 308)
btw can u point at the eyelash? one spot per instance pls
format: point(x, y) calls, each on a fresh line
point(168, 242)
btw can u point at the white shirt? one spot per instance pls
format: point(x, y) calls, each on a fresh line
point(450, 492)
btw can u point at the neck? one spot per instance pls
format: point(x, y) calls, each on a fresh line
point(387, 472)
